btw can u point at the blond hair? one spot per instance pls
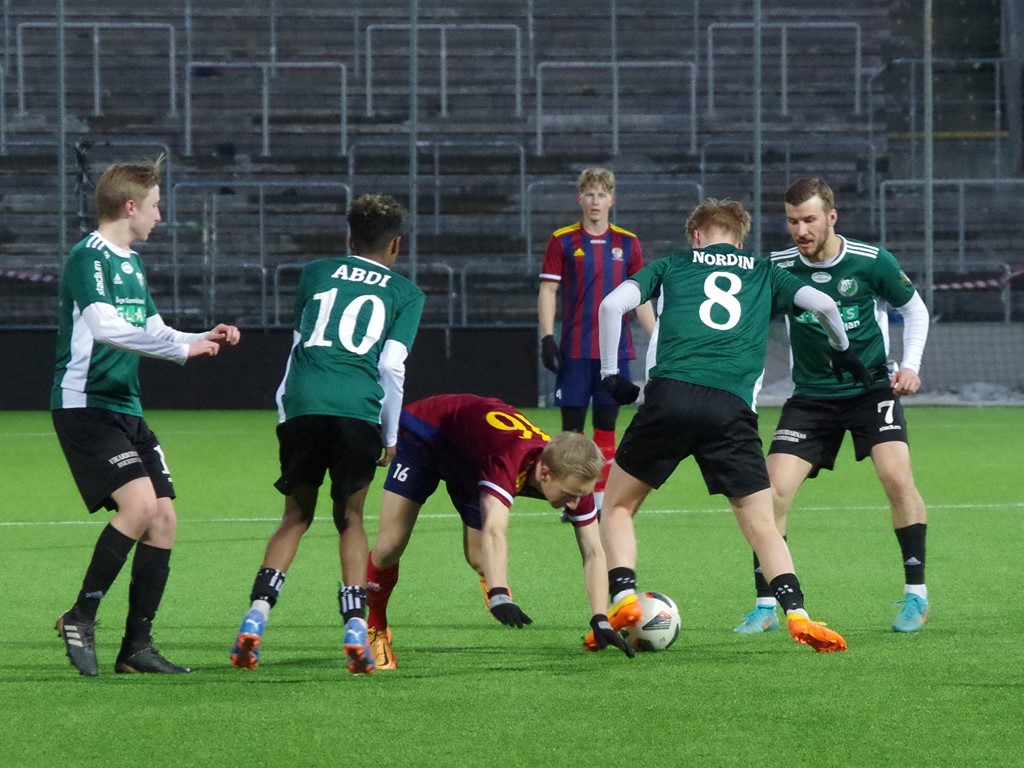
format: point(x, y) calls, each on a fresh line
point(720, 213)
point(571, 454)
point(122, 182)
point(601, 178)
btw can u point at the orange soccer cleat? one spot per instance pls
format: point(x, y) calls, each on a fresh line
point(818, 636)
point(624, 613)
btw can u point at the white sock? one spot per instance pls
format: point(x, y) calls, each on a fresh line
point(619, 595)
point(262, 607)
point(764, 602)
point(921, 590)
point(801, 611)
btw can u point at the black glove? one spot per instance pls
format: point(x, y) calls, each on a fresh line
point(550, 354)
point(622, 390)
point(504, 610)
point(847, 361)
point(604, 635)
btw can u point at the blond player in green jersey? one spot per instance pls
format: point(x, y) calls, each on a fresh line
point(107, 320)
point(714, 304)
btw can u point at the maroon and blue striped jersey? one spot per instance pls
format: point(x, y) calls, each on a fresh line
point(482, 445)
point(588, 268)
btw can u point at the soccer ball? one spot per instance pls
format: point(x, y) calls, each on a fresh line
point(659, 623)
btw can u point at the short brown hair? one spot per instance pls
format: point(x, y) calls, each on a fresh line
point(573, 454)
point(373, 220)
point(802, 190)
point(596, 177)
point(725, 214)
point(122, 182)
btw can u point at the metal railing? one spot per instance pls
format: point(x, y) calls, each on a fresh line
point(211, 225)
point(959, 66)
point(960, 186)
point(615, 66)
point(266, 69)
point(784, 27)
point(444, 29)
point(621, 184)
point(829, 147)
point(437, 146)
point(96, 26)
point(3, 113)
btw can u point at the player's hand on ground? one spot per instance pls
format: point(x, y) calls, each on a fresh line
point(604, 635)
point(225, 334)
point(622, 390)
point(550, 354)
point(847, 361)
point(504, 610)
point(202, 348)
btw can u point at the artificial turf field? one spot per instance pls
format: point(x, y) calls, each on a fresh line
point(470, 692)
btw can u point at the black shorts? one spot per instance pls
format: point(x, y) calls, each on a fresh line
point(716, 427)
point(813, 427)
point(312, 446)
point(107, 450)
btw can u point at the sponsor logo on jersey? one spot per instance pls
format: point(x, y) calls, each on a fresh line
point(848, 287)
point(118, 280)
point(723, 259)
point(578, 253)
point(124, 459)
point(97, 276)
point(616, 254)
point(821, 277)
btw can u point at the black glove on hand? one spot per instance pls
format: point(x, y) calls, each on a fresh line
point(621, 389)
point(847, 361)
point(604, 635)
point(504, 610)
point(550, 354)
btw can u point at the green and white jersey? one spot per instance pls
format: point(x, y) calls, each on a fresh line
point(110, 283)
point(346, 309)
point(861, 279)
point(715, 306)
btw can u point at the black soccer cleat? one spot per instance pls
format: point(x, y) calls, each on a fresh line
point(78, 634)
point(146, 659)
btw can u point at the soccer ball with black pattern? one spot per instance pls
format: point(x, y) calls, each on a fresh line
point(659, 623)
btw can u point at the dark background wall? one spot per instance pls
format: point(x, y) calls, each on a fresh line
point(501, 362)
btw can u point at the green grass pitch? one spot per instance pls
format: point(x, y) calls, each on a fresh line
point(470, 692)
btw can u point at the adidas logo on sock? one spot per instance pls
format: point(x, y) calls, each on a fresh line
point(912, 561)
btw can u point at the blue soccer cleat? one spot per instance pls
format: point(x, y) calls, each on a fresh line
point(245, 653)
point(762, 619)
point(357, 648)
point(912, 615)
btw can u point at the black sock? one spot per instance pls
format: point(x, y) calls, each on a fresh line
point(352, 602)
point(620, 580)
point(150, 569)
point(786, 588)
point(911, 539)
point(108, 557)
point(267, 585)
point(760, 582)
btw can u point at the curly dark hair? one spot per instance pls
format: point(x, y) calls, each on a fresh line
point(373, 221)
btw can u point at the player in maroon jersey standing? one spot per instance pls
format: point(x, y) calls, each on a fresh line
point(587, 260)
point(488, 454)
